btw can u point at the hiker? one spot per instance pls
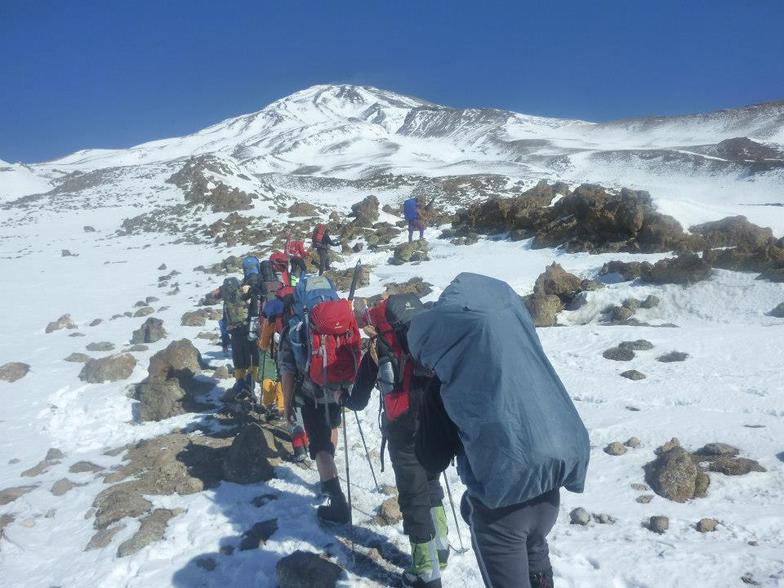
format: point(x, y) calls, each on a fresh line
point(499, 407)
point(321, 243)
point(413, 213)
point(316, 368)
point(297, 254)
point(388, 366)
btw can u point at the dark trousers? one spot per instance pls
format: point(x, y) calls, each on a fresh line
point(298, 266)
point(418, 225)
point(244, 353)
point(323, 254)
point(418, 489)
point(510, 543)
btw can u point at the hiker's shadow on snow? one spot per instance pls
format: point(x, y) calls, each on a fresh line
point(257, 524)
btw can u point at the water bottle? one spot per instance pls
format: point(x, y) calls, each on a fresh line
point(386, 375)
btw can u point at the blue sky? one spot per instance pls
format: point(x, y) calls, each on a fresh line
point(102, 73)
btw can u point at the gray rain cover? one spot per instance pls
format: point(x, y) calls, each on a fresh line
point(521, 433)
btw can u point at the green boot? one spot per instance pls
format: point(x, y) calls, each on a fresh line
point(438, 514)
point(424, 571)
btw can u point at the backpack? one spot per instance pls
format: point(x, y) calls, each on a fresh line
point(236, 309)
point(250, 265)
point(396, 369)
point(267, 273)
point(280, 262)
point(318, 234)
point(324, 334)
point(410, 209)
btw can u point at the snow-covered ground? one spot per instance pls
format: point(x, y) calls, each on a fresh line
point(730, 389)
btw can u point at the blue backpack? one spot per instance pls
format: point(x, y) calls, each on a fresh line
point(410, 209)
point(250, 265)
point(310, 291)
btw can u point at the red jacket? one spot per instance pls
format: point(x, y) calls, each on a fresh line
point(297, 249)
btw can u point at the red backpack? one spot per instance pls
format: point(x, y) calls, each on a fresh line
point(335, 344)
point(391, 317)
point(318, 234)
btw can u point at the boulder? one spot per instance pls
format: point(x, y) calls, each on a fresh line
point(100, 346)
point(733, 231)
point(144, 311)
point(707, 525)
point(638, 345)
point(626, 271)
point(63, 486)
point(632, 442)
point(557, 282)
point(221, 373)
point(246, 460)
point(303, 569)
point(95, 322)
point(103, 537)
point(615, 448)
point(88, 229)
point(194, 318)
point(409, 252)
point(8, 495)
point(160, 399)
point(138, 348)
point(389, 512)
point(342, 278)
point(108, 369)
point(712, 451)
point(151, 331)
point(64, 322)
point(543, 309)
point(180, 359)
point(258, 534)
point(673, 356)
point(686, 269)
point(673, 475)
point(365, 212)
point(303, 209)
point(152, 529)
point(735, 466)
point(13, 371)
point(618, 354)
point(659, 524)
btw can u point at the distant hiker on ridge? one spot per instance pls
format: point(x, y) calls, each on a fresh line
point(321, 243)
point(501, 409)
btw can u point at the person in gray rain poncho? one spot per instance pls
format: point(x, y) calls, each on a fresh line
point(499, 407)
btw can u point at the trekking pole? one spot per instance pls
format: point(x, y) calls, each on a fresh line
point(454, 513)
point(367, 453)
point(348, 483)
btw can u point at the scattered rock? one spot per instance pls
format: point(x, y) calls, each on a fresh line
point(62, 486)
point(8, 495)
point(151, 331)
point(303, 209)
point(579, 516)
point(672, 356)
point(638, 345)
point(733, 231)
point(138, 348)
point(615, 448)
point(604, 519)
point(618, 354)
point(221, 373)
point(557, 282)
point(365, 212)
point(735, 466)
point(659, 524)
point(667, 446)
point(543, 309)
point(639, 487)
point(707, 525)
point(67, 253)
point(108, 369)
point(633, 375)
point(777, 312)
point(162, 267)
point(303, 569)
point(258, 534)
point(644, 498)
point(194, 318)
point(686, 269)
point(13, 371)
point(389, 512)
point(53, 455)
point(100, 346)
point(632, 442)
point(95, 322)
point(144, 311)
point(714, 450)
point(153, 528)
point(37, 469)
point(103, 537)
point(246, 460)
point(88, 229)
point(64, 322)
point(82, 467)
point(650, 301)
point(408, 252)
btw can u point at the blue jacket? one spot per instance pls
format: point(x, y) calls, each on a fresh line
point(520, 432)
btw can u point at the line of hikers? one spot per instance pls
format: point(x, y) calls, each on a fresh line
point(462, 379)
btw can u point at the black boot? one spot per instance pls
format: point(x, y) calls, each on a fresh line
point(337, 511)
point(542, 579)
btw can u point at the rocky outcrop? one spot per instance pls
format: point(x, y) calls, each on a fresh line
point(171, 387)
point(674, 474)
point(13, 371)
point(151, 331)
point(685, 269)
point(733, 231)
point(303, 569)
point(556, 284)
point(108, 369)
point(365, 212)
point(408, 252)
point(64, 322)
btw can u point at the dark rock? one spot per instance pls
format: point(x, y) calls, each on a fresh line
point(685, 269)
point(365, 212)
point(413, 286)
point(162, 267)
point(67, 253)
point(258, 534)
point(633, 375)
point(638, 345)
point(673, 356)
point(303, 569)
point(735, 466)
point(627, 271)
point(144, 311)
point(53, 455)
point(95, 322)
point(88, 229)
point(619, 314)
point(64, 322)
point(733, 231)
point(207, 563)
point(714, 450)
point(673, 475)
point(263, 499)
point(579, 516)
point(342, 278)
point(77, 334)
point(543, 309)
point(153, 528)
point(100, 346)
point(667, 446)
point(603, 519)
point(409, 252)
point(108, 369)
point(659, 524)
point(151, 331)
point(13, 371)
point(246, 460)
point(618, 354)
point(615, 448)
point(777, 312)
point(556, 281)
point(8, 495)
point(644, 498)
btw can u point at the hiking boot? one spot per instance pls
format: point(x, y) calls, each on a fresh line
point(300, 454)
point(542, 579)
point(337, 511)
point(425, 569)
point(438, 515)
